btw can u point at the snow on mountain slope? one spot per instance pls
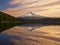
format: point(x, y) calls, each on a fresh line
point(30, 15)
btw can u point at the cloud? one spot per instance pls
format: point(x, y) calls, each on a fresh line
point(40, 7)
point(29, 3)
point(15, 1)
point(5, 4)
point(54, 3)
point(48, 4)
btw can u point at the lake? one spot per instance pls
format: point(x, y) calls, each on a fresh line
point(30, 34)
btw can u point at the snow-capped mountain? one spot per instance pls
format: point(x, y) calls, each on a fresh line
point(31, 15)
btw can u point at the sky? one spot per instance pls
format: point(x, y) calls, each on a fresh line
point(50, 8)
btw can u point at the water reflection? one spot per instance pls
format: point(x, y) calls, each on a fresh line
point(18, 35)
point(30, 27)
point(5, 26)
point(33, 26)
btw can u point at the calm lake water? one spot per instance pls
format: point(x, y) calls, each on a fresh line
point(30, 34)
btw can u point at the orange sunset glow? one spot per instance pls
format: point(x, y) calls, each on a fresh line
point(49, 8)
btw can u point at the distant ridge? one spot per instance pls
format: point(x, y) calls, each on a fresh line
point(6, 17)
point(6, 21)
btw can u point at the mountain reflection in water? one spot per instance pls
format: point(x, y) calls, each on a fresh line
point(30, 27)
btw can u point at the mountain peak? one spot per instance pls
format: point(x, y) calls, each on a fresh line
point(31, 16)
point(28, 14)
